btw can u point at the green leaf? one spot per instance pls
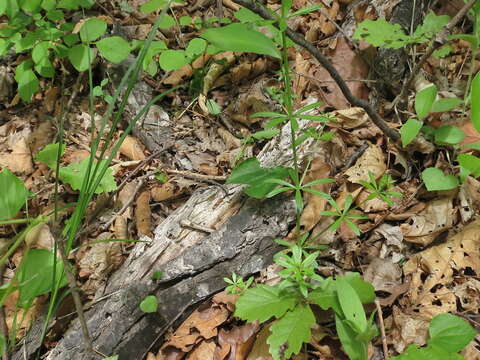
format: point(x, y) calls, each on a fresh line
point(14, 194)
point(149, 304)
point(241, 37)
point(355, 349)
point(172, 60)
point(45, 68)
point(364, 290)
point(381, 33)
point(250, 173)
point(444, 51)
point(424, 101)
point(436, 180)
point(470, 162)
point(92, 29)
point(292, 330)
point(445, 104)
point(166, 22)
point(450, 332)
point(262, 303)
point(74, 174)
point(450, 135)
point(326, 296)
point(410, 130)
point(432, 24)
point(185, 20)
point(351, 305)
point(114, 357)
point(475, 99)
point(48, 155)
point(306, 10)
point(28, 84)
point(114, 48)
point(31, 6)
point(81, 57)
point(35, 273)
point(213, 107)
point(152, 5)
point(195, 47)
point(247, 16)
point(413, 352)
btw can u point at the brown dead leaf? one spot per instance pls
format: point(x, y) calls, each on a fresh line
point(40, 237)
point(75, 156)
point(151, 356)
point(203, 351)
point(239, 339)
point(371, 161)
point(319, 169)
point(97, 261)
point(179, 75)
point(350, 66)
point(132, 148)
point(350, 118)
point(300, 82)
point(143, 214)
point(408, 329)
point(41, 136)
point(468, 293)
point(422, 228)
point(226, 299)
point(51, 98)
point(19, 159)
point(166, 191)
point(201, 324)
point(383, 274)
point(326, 26)
point(434, 268)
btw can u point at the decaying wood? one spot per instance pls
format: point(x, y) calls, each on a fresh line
point(193, 264)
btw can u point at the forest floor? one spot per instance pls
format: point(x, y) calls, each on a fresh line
point(421, 253)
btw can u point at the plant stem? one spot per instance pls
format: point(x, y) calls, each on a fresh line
point(287, 100)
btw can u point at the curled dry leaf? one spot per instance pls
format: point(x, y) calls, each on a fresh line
point(132, 148)
point(171, 189)
point(383, 274)
point(40, 237)
point(371, 161)
point(468, 294)
point(300, 82)
point(319, 169)
point(143, 214)
point(179, 75)
point(422, 228)
point(239, 340)
point(327, 27)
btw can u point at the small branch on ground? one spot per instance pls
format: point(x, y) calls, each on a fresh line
point(382, 328)
point(327, 65)
point(436, 43)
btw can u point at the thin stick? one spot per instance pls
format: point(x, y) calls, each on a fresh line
point(440, 40)
point(382, 328)
point(3, 319)
point(327, 65)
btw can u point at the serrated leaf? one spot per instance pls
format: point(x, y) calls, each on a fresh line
point(262, 303)
point(14, 194)
point(424, 100)
point(249, 172)
point(409, 131)
point(92, 29)
point(450, 135)
point(450, 332)
point(292, 330)
point(114, 48)
point(475, 102)
point(149, 304)
point(48, 155)
point(436, 180)
point(74, 174)
point(381, 33)
point(432, 24)
point(241, 37)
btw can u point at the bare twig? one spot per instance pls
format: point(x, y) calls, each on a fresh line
point(73, 287)
point(440, 40)
point(300, 40)
point(382, 328)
